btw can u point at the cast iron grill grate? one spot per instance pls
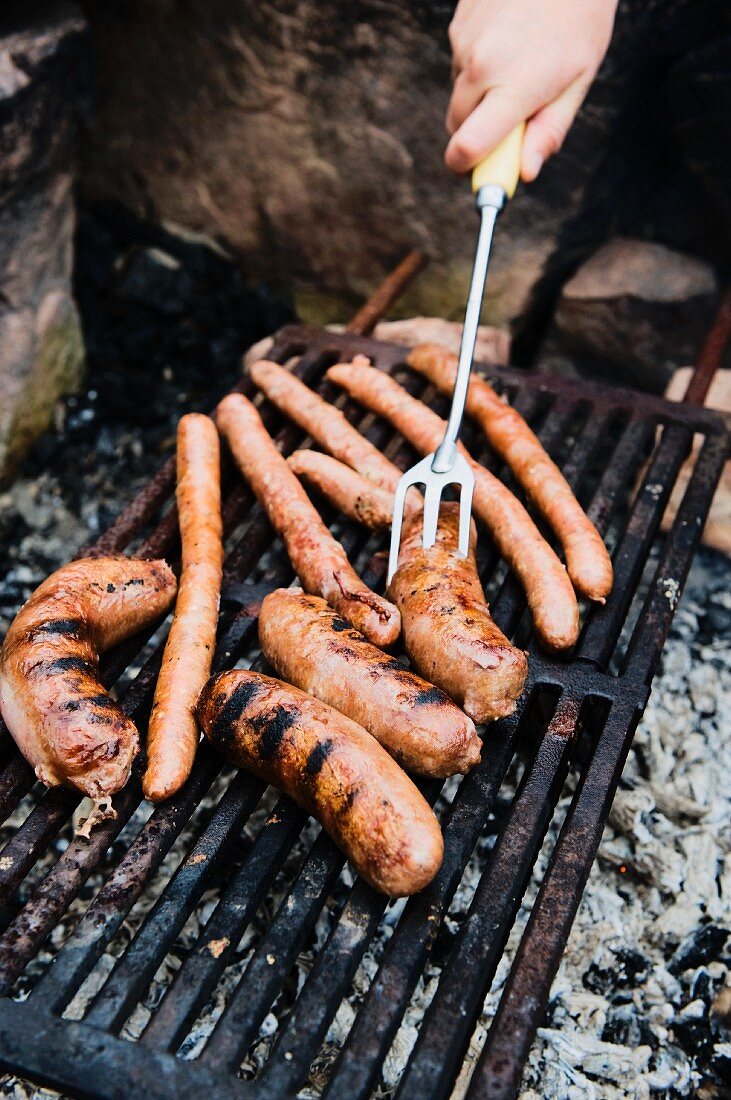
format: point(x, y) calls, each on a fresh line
point(162, 902)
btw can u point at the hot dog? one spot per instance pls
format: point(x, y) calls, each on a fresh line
point(172, 736)
point(353, 495)
point(324, 422)
point(309, 645)
point(51, 695)
point(587, 560)
point(448, 631)
point(318, 559)
point(548, 589)
point(334, 769)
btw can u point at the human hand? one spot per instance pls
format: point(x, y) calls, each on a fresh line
point(517, 60)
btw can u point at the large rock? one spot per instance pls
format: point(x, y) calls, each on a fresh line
point(309, 135)
point(637, 311)
point(42, 85)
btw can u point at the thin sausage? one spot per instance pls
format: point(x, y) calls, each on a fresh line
point(448, 631)
point(51, 694)
point(318, 559)
point(353, 495)
point(172, 736)
point(308, 644)
point(587, 560)
point(550, 594)
point(334, 769)
point(326, 424)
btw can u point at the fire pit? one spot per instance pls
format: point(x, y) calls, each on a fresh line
point(219, 942)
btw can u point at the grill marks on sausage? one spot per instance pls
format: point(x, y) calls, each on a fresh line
point(66, 725)
point(271, 727)
point(232, 707)
point(334, 769)
point(316, 758)
point(68, 664)
point(310, 645)
point(62, 627)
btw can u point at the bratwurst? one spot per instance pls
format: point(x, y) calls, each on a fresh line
point(334, 769)
point(51, 695)
point(448, 631)
point(308, 644)
point(318, 559)
point(350, 492)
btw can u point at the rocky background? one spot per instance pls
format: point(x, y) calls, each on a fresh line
point(306, 137)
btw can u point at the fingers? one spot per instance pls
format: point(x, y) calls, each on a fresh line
point(547, 129)
point(490, 121)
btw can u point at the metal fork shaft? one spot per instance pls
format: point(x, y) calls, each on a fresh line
point(489, 200)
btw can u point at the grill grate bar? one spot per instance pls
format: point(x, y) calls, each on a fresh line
point(197, 977)
point(15, 781)
point(274, 958)
point(604, 626)
point(524, 997)
point(448, 1024)
point(136, 968)
point(105, 915)
point(649, 635)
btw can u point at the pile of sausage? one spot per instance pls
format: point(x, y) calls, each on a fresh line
point(345, 720)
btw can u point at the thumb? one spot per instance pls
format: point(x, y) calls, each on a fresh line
point(546, 130)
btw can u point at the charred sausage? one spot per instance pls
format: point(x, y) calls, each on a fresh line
point(548, 589)
point(587, 559)
point(52, 698)
point(334, 769)
point(172, 735)
point(308, 644)
point(318, 559)
point(448, 631)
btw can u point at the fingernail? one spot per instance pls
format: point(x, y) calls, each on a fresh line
point(534, 163)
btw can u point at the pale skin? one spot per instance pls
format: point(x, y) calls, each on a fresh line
point(521, 60)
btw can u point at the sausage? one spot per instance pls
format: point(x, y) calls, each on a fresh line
point(353, 495)
point(51, 695)
point(326, 424)
point(550, 594)
point(334, 769)
point(172, 735)
point(318, 559)
point(308, 644)
point(587, 559)
point(448, 631)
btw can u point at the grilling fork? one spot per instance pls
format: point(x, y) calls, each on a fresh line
point(494, 181)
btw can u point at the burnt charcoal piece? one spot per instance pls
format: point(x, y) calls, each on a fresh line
point(702, 946)
point(631, 970)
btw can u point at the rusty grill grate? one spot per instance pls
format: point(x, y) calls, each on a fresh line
point(62, 916)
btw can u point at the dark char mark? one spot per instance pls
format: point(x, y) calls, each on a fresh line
point(339, 624)
point(59, 626)
point(317, 758)
point(429, 697)
point(271, 728)
point(69, 664)
point(101, 702)
point(223, 727)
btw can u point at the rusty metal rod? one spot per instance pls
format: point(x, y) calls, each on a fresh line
point(387, 294)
